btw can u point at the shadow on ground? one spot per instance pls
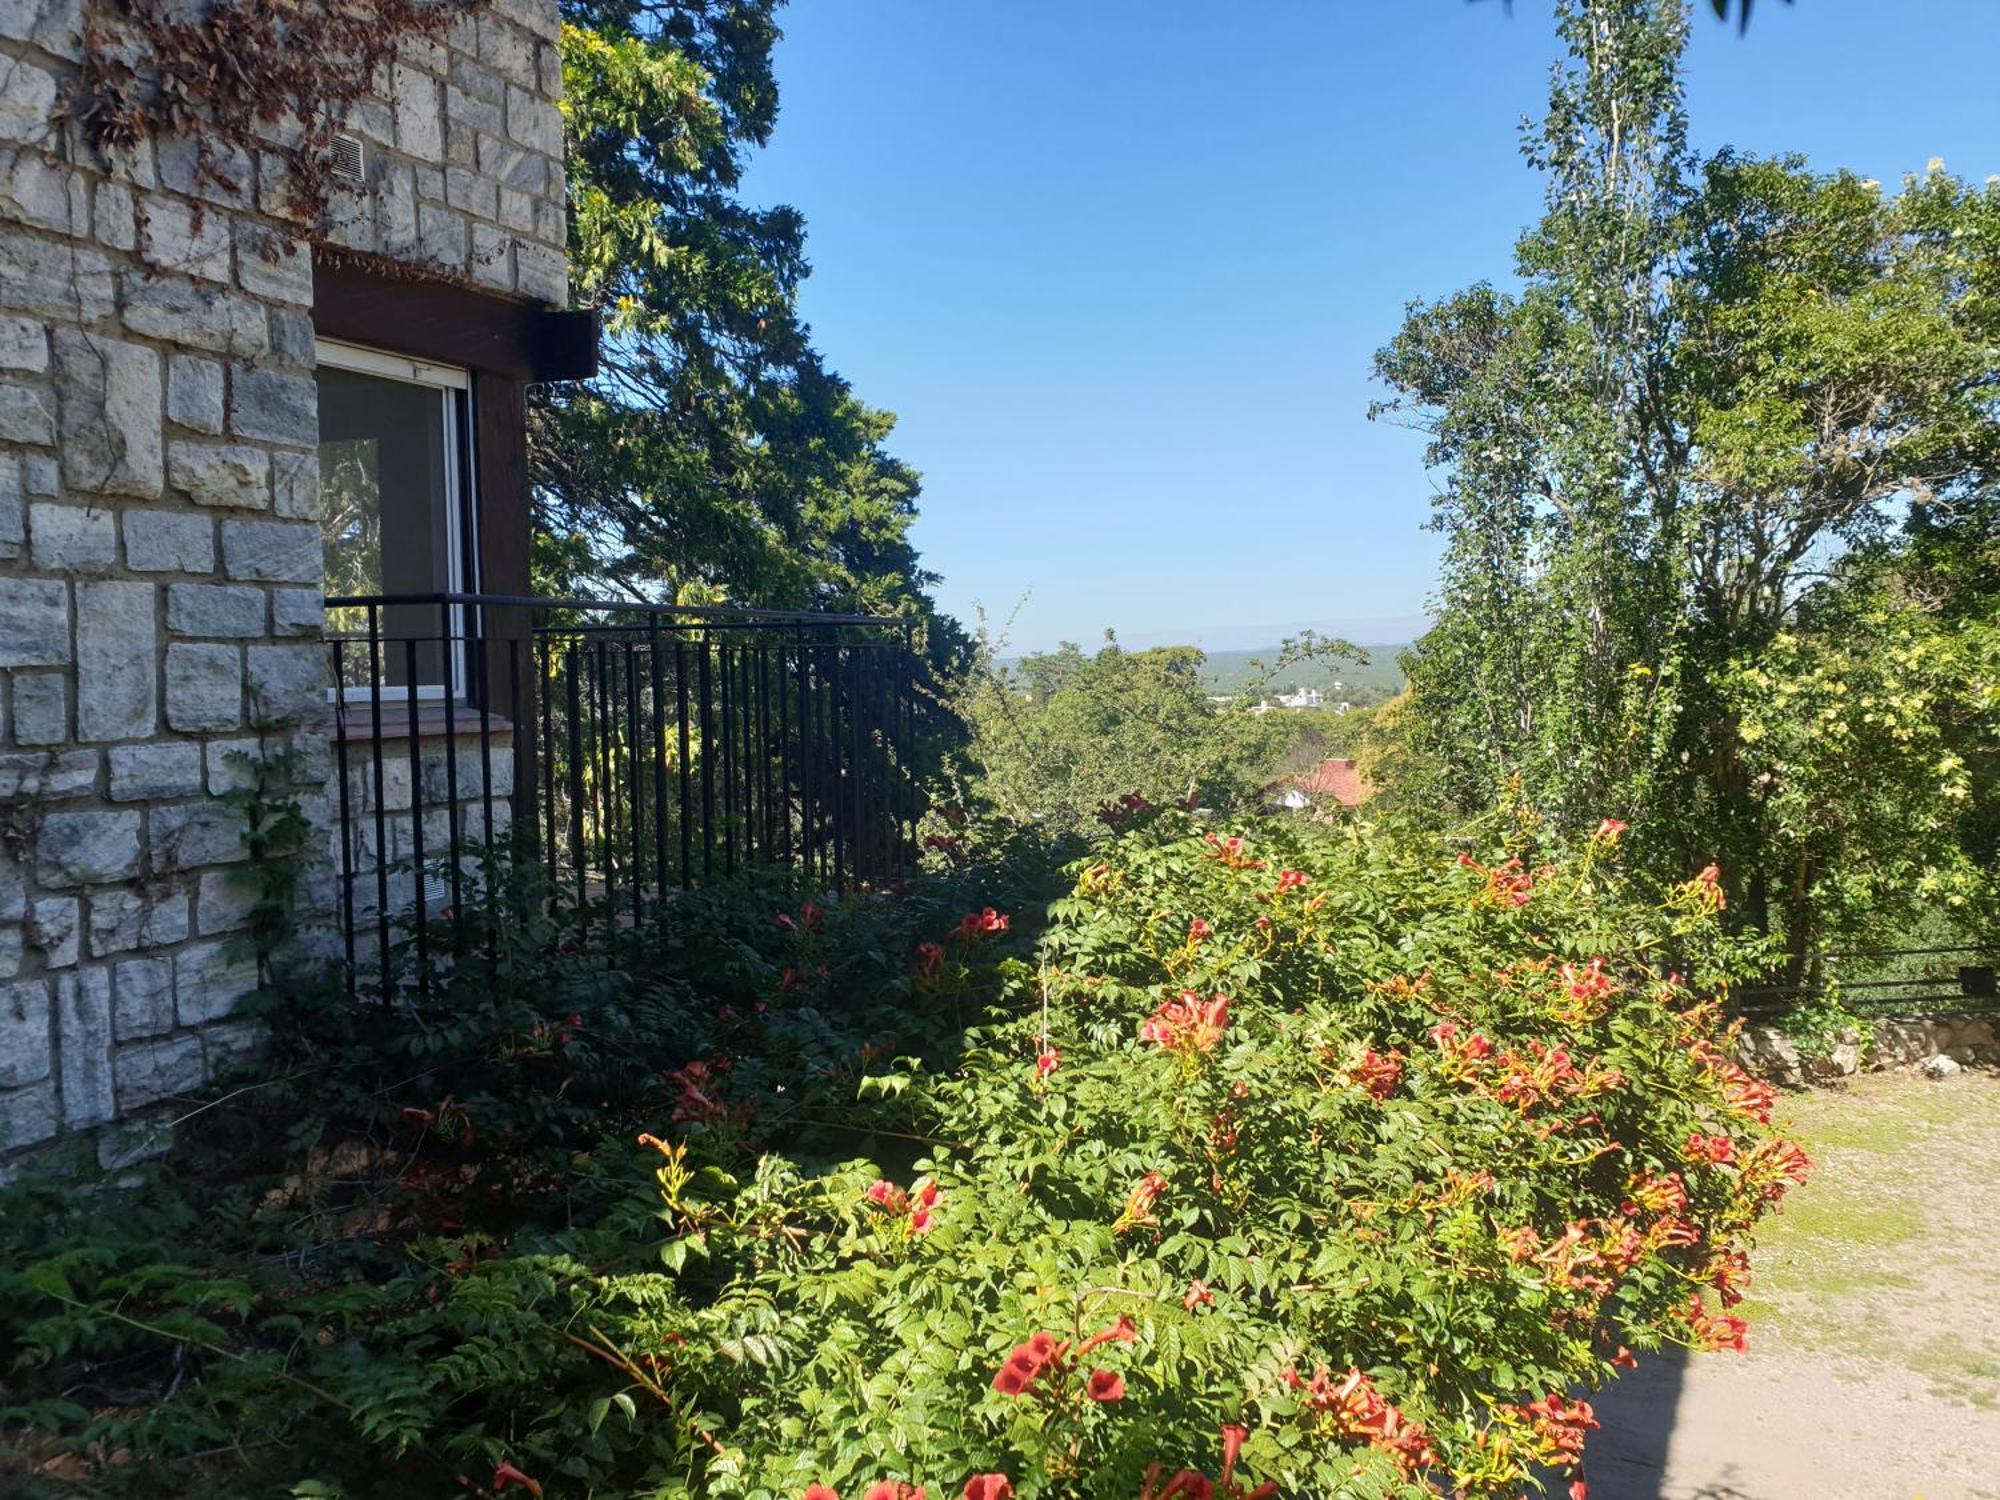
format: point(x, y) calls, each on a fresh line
point(1628, 1457)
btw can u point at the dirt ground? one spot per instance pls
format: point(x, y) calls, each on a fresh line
point(1874, 1363)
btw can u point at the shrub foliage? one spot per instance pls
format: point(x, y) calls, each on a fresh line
point(1310, 1162)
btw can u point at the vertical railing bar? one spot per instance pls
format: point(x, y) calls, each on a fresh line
point(375, 648)
point(580, 864)
point(727, 705)
point(423, 923)
point(636, 741)
point(784, 758)
point(346, 814)
point(686, 768)
point(657, 742)
point(747, 756)
point(604, 801)
point(707, 762)
point(446, 649)
point(542, 650)
point(840, 781)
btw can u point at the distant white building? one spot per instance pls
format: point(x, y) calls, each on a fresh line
point(1303, 698)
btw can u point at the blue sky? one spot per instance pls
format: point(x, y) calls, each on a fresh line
point(1119, 266)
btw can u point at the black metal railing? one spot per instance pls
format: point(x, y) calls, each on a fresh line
point(616, 752)
point(1886, 981)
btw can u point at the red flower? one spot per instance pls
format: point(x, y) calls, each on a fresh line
point(1199, 931)
point(818, 1492)
point(1120, 1330)
point(893, 1489)
point(507, 1474)
point(1190, 1484)
point(1105, 1385)
point(1047, 1062)
point(1578, 1490)
point(988, 1487)
point(1291, 880)
point(785, 922)
point(1623, 1359)
point(1188, 1024)
point(1609, 829)
point(1139, 1206)
point(1376, 1074)
point(1710, 1148)
point(1232, 1446)
point(1197, 1295)
point(1014, 1377)
point(977, 924)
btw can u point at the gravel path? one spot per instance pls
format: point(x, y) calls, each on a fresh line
point(1874, 1364)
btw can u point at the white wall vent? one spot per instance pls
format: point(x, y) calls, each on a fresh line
point(350, 162)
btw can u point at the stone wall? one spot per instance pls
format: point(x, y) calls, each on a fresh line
point(160, 553)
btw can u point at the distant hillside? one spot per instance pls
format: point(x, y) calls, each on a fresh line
point(1379, 680)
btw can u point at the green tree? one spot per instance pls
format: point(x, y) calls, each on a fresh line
point(715, 456)
point(1055, 735)
point(1715, 379)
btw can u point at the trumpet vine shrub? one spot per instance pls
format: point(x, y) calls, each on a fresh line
point(1282, 1160)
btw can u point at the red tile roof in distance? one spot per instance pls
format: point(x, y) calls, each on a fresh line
point(1338, 780)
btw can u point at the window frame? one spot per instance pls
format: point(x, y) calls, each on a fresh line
point(454, 387)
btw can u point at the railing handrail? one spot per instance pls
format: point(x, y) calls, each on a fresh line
point(719, 612)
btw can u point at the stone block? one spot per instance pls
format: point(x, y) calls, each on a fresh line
point(39, 190)
point(194, 392)
point(28, 102)
point(419, 116)
point(113, 395)
point(207, 168)
point(161, 541)
point(208, 983)
point(45, 278)
point(541, 272)
point(189, 835)
point(273, 267)
point(28, 1116)
point(83, 1032)
point(125, 918)
point(87, 848)
point(117, 661)
point(273, 551)
point(13, 507)
point(223, 904)
point(396, 211)
point(175, 235)
point(148, 1072)
point(24, 1033)
point(73, 538)
point(204, 687)
point(472, 193)
point(125, 1143)
point(441, 236)
point(165, 768)
point(196, 315)
point(54, 926)
point(142, 998)
point(512, 165)
point(231, 764)
point(288, 684)
point(534, 122)
point(492, 257)
point(215, 609)
point(117, 216)
point(517, 210)
point(27, 414)
point(507, 50)
point(297, 612)
point(13, 886)
point(24, 345)
point(273, 406)
point(41, 775)
point(295, 485)
point(41, 709)
point(220, 474)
